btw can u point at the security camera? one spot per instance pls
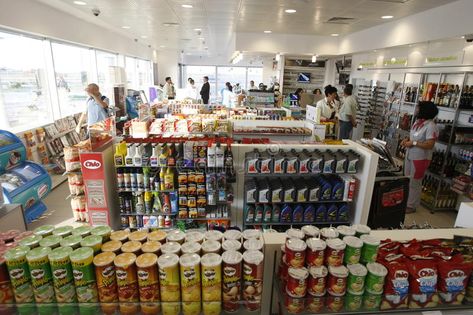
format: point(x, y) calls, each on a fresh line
point(96, 11)
point(469, 38)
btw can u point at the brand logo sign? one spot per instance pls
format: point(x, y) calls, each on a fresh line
point(92, 164)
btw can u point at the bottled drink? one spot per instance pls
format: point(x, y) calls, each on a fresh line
point(134, 179)
point(169, 179)
point(140, 183)
point(161, 179)
point(137, 158)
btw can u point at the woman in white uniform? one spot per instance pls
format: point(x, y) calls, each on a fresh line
point(420, 145)
point(328, 105)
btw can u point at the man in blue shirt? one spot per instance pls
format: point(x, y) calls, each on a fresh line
point(97, 105)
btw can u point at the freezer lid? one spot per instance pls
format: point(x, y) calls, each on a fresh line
point(28, 171)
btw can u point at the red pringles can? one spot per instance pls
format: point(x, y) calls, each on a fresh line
point(334, 252)
point(232, 273)
point(317, 284)
point(294, 305)
point(295, 252)
point(315, 304)
point(252, 279)
point(337, 280)
point(315, 255)
point(296, 285)
point(334, 303)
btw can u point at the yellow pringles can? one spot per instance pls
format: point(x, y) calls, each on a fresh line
point(211, 275)
point(190, 277)
point(169, 283)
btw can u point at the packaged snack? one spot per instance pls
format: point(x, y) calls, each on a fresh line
point(194, 236)
point(82, 230)
point(328, 233)
point(397, 279)
point(371, 302)
point(190, 277)
point(335, 252)
point(148, 277)
point(369, 252)
point(251, 233)
point(191, 308)
point(6, 293)
point(295, 252)
point(121, 236)
point(315, 255)
point(334, 303)
point(315, 304)
point(133, 247)
point(19, 274)
point(353, 301)
point(63, 231)
point(394, 301)
point(169, 284)
point(41, 277)
point(375, 278)
point(105, 275)
point(51, 241)
point(44, 230)
point(159, 236)
point(295, 233)
point(423, 300)
point(231, 245)
point(317, 283)
point(211, 274)
point(138, 236)
point(296, 285)
point(294, 305)
point(71, 241)
point(103, 231)
point(213, 235)
point(423, 276)
point(176, 236)
point(232, 235)
point(127, 282)
point(84, 274)
point(232, 274)
point(253, 244)
point(211, 246)
point(452, 298)
point(310, 231)
point(31, 241)
point(171, 248)
point(252, 279)
point(191, 248)
point(112, 246)
point(212, 308)
point(63, 278)
point(361, 229)
point(356, 279)
point(337, 280)
point(352, 250)
point(92, 241)
point(345, 230)
point(453, 275)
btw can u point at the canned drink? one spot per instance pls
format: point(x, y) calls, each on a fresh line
point(337, 280)
point(106, 278)
point(211, 275)
point(252, 279)
point(84, 275)
point(375, 278)
point(190, 277)
point(169, 284)
point(127, 282)
point(356, 279)
point(63, 278)
point(352, 250)
point(41, 277)
point(148, 277)
point(294, 305)
point(315, 255)
point(317, 284)
point(296, 285)
point(369, 252)
point(232, 273)
point(295, 252)
point(335, 252)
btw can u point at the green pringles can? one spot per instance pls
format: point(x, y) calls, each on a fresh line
point(371, 302)
point(31, 241)
point(51, 241)
point(361, 229)
point(345, 230)
point(353, 302)
point(84, 275)
point(374, 282)
point(92, 241)
point(63, 278)
point(352, 250)
point(369, 251)
point(71, 241)
point(41, 277)
point(44, 230)
point(20, 274)
point(356, 279)
point(102, 230)
point(82, 230)
point(63, 231)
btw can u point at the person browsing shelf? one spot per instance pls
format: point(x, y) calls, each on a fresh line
point(328, 107)
point(169, 90)
point(422, 138)
point(347, 113)
point(205, 91)
point(97, 105)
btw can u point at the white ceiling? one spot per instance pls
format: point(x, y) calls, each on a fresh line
point(220, 19)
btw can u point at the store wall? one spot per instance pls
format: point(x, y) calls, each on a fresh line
point(168, 66)
point(37, 18)
point(268, 71)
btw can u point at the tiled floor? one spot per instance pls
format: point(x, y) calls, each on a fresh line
point(59, 213)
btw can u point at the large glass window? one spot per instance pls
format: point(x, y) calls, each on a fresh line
point(105, 60)
point(255, 74)
point(144, 70)
point(233, 75)
point(197, 73)
point(131, 75)
point(24, 97)
point(73, 69)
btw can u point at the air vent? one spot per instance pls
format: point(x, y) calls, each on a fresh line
point(340, 20)
point(391, 1)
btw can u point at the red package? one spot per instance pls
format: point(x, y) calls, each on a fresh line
point(423, 275)
point(397, 279)
point(387, 247)
point(453, 274)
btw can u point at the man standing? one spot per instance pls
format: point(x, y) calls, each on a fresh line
point(97, 105)
point(205, 91)
point(169, 91)
point(348, 113)
point(252, 86)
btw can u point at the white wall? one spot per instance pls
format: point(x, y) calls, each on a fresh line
point(40, 19)
point(168, 61)
point(268, 72)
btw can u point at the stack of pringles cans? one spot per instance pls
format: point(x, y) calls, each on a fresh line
point(192, 272)
point(331, 269)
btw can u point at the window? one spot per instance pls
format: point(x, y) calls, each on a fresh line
point(144, 71)
point(255, 74)
point(105, 60)
point(73, 70)
point(233, 75)
point(24, 94)
point(197, 73)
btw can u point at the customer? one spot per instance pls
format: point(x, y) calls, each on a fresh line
point(191, 89)
point(205, 90)
point(328, 106)
point(97, 105)
point(169, 91)
point(422, 137)
point(227, 94)
point(252, 86)
point(237, 88)
point(347, 113)
point(317, 92)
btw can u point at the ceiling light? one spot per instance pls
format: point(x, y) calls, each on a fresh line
point(125, 27)
point(162, 46)
point(187, 6)
point(314, 58)
point(278, 56)
point(197, 29)
point(334, 34)
point(463, 36)
point(80, 2)
point(201, 38)
point(290, 11)
point(387, 17)
point(144, 36)
point(267, 32)
point(393, 59)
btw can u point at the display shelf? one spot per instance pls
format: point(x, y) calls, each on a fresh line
point(439, 177)
point(203, 219)
point(270, 134)
point(300, 202)
point(430, 207)
point(294, 174)
point(152, 213)
point(455, 144)
point(148, 190)
point(57, 180)
point(298, 223)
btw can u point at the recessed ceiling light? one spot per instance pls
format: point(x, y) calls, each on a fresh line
point(290, 11)
point(334, 34)
point(268, 32)
point(463, 36)
point(387, 17)
point(197, 29)
point(80, 2)
point(162, 46)
point(126, 27)
point(187, 6)
point(144, 36)
point(201, 38)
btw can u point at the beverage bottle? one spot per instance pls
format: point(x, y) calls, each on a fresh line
point(172, 155)
point(153, 159)
point(219, 156)
point(137, 158)
point(166, 205)
point(120, 178)
point(139, 205)
point(127, 204)
point(129, 155)
point(118, 157)
point(161, 179)
point(169, 179)
point(229, 168)
point(160, 221)
point(134, 179)
point(163, 157)
point(211, 158)
point(140, 179)
point(148, 196)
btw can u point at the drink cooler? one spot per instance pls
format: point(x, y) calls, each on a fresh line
point(36, 182)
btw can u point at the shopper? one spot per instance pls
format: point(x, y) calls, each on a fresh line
point(169, 90)
point(422, 137)
point(317, 92)
point(328, 105)
point(252, 86)
point(237, 88)
point(347, 113)
point(205, 90)
point(97, 105)
point(191, 89)
point(227, 94)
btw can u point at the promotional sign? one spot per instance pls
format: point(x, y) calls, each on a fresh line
point(93, 173)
